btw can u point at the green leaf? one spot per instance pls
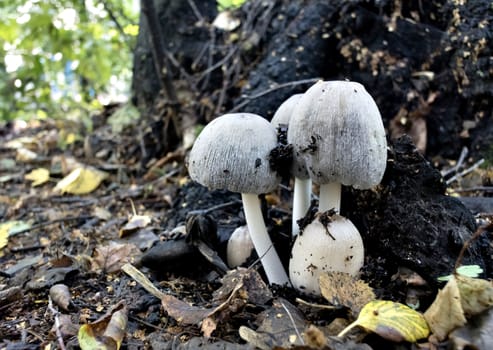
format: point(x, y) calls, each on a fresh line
point(464, 270)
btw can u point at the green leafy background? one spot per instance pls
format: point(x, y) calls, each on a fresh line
point(61, 57)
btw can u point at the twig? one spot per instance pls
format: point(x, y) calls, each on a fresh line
point(213, 208)
point(476, 189)
point(196, 11)
point(462, 157)
point(482, 229)
point(55, 221)
point(249, 99)
point(464, 172)
point(294, 324)
point(55, 313)
point(318, 306)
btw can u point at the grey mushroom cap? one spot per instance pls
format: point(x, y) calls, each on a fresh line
point(232, 152)
point(282, 116)
point(285, 111)
point(337, 130)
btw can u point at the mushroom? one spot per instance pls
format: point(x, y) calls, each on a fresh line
point(240, 247)
point(232, 152)
point(337, 131)
point(329, 243)
point(302, 184)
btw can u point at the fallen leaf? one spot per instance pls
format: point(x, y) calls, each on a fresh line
point(232, 298)
point(81, 181)
point(476, 295)
point(280, 326)
point(25, 155)
point(112, 257)
point(466, 270)
point(38, 176)
point(11, 228)
point(136, 222)
point(107, 332)
point(342, 289)
point(446, 313)
point(392, 321)
point(477, 334)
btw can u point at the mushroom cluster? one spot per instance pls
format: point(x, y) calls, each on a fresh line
point(338, 138)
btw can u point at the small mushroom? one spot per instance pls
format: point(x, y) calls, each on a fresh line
point(337, 131)
point(232, 152)
point(240, 247)
point(329, 243)
point(302, 183)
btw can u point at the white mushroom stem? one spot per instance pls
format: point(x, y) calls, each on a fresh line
point(263, 245)
point(301, 201)
point(330, 197)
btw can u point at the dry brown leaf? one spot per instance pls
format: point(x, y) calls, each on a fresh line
point(112, 257)
point(208, 326)
point(136, 222)
point(446, 313)
point(476, 294)
point(342, 289)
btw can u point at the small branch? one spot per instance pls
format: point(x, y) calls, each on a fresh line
point(55, 313)
point(249, 99)
point(466, 245)
point(455, 168)
point(294, 324)
point(464, 172)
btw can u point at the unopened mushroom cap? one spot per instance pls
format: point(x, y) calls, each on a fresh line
point(335, 246)
point(282, 116)
point(240, 247)
point(232, 152)
point(285, 111)
point(338, 131)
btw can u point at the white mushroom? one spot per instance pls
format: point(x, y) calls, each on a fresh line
point(328, 243)
point(232, 152)
point(337, 131)
point(239, 248)
point(302, 183)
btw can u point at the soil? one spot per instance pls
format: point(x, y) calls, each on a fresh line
point(147, 211)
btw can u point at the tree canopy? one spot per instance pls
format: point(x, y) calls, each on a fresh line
point(64, 57)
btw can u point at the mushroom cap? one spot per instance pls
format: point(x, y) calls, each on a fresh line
point(285, 111)
point(282, 116)
point(239, 247)
point(232, 152)
point(335, 246)
point(337, 130)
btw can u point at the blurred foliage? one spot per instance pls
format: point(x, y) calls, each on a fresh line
point(64, 58)
point(223, 5)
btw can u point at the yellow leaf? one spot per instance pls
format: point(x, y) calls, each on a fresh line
point(4, 237)
point(10, 228)
point(81, 181)
point(106, 333)
point(38, 176)
point(390, 320)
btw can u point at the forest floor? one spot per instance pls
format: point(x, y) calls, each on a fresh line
point(69, 251)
